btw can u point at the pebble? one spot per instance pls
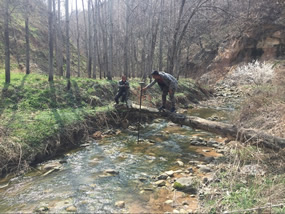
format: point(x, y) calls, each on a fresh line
point(71, 209)
point(162, 177)
point(168, 202)
point(170, 173)
point(160, 183)
point(111, 171)
point(120, 204)
point(180, 163)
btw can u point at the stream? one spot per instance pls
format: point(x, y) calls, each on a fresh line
point(116, 168)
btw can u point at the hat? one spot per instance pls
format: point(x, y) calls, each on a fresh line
point(155, 72)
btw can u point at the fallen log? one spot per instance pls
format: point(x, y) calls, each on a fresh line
point(228, 130)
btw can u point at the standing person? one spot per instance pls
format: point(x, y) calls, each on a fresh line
point(167, 84)
point(123, 90)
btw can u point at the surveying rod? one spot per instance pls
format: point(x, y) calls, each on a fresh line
point(139, 122)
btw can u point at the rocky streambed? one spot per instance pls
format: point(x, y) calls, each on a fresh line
point(168, 170)
point(162, 172)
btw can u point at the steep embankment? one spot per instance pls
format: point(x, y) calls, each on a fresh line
point(262, 43)
point(40, 118)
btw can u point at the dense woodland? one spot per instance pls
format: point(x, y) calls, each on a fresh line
point(103, 39)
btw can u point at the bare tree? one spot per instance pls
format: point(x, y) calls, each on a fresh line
point(180, 30)
point(59, 57)
point(90, 47)
point(50, 40)
point(27, 30)
point(126, 41)
point(77, 40)
point(7, 42)
point(110, 67)
point(161, 36)
point(67, 44)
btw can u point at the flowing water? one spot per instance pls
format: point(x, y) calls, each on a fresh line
point(81, 183)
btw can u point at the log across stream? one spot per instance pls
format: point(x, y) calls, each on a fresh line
point(228, 130)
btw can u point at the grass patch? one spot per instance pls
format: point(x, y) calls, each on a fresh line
point(249, 180)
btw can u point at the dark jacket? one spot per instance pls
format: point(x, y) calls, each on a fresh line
point(167, 80)
point(123, 86)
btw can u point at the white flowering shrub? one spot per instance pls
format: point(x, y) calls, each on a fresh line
point(252, 73)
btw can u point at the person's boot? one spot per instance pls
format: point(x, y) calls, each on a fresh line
point(172, 109)
point(161, 108)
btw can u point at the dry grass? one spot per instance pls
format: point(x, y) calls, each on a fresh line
point(264, 108)
point(249, 179)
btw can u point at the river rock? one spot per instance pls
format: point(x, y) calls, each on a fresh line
point(194, 162)
point(142, 179)
point(209, 159)
point(169, 202)
point(162, 176)
point(85, 145)
point(204, 168)
point(109, 132)
point(42, 209)
point(52, 165)
point(71, 209)
point(170, 173)
point(111, 171)
point(180, 163)
point(185, 184)
point(97, 135)
point(160, 183)
point(120, 204)
point(125, 123)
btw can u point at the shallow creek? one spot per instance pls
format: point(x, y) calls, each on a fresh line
point(80, 183)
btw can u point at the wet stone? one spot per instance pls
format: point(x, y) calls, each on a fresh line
point(169, 202)
point(142, 179)
point(111, 171)
point(209, 159)
point(97, 135)
point(42, 209)
point(170, 173)
point(204, 169)
point(85, 145)
point(180, 163)
point(120, 204)
point(71, 209)
point(185, 184)
point(162, 177)
point(160, 183)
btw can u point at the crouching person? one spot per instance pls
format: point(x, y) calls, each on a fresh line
point(123, 90)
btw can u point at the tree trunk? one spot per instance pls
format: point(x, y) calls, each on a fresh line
point(50, 41)
point(173, 47)
point(226, 130)
point(85, 32)
point(67, 44)
point(77, 40)
point(59, 58)
point(27, 35)
point(95, 40)
point(161, 36)
point(7, 42)
point(90, 47)
point(110, 67)
point(126, 42)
